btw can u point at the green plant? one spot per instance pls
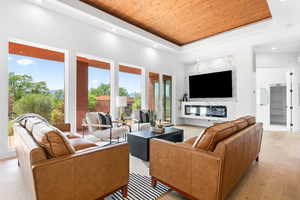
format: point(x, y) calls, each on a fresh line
point(57, 114)
point(103, 89)
point(21, 85)
point(35, 103)
point(137, 101)
point(92, 102)
point(123, 92)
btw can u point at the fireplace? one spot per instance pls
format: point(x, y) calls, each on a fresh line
point(206, 111)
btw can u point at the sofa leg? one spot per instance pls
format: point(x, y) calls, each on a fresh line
point(153, 182)
point(18, 163)
point(257, 158)
point(125, 191)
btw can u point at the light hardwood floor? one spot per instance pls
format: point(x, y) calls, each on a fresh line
point(275, 177)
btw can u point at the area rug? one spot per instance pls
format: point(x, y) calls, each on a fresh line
point(139, 188)
point(171, 195)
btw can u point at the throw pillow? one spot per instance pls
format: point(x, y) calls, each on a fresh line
point(108, 119)
point(54, 142)
point(198, 138)
point(144, 117)
point(23, 118)
point(214, 134)
point(30, 122)
point(104, 119)
point(250, 119)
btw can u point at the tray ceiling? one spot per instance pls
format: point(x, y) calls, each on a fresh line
point(185, 21)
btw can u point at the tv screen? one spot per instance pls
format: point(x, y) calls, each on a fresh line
point(212, 85)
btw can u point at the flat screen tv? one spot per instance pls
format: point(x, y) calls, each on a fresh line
point(212, 85)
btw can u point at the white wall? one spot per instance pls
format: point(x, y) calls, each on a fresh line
point(276, 60)
point(273, 68)
point(265, 77)
point(24, 21)
point(241, 62)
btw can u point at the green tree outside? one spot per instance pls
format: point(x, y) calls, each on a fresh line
point(27, 96)
point(35, 103)
point(137, 101)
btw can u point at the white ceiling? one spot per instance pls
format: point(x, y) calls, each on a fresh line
point(284, 46)
point(285, 23)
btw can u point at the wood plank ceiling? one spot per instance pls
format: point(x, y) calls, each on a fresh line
point(185, 21)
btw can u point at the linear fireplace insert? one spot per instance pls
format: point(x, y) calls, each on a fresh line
point(206, 111)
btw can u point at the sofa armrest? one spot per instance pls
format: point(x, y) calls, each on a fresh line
point(190, 171)
point(88, 174)
point(63, 127)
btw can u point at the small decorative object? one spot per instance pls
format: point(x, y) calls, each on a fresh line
point(185, 97)
point(152, 118)
point(159, 128)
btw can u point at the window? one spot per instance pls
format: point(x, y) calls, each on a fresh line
point(36, 84)
point(130, 86)
point(153, 92)
point(167, 98)
point(93, 87)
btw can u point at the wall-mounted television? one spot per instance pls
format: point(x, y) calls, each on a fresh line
point(212, 85)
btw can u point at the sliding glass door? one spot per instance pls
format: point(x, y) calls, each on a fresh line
point(153, 92)
point(167, 98)
point(93, 87)
point(130, 86)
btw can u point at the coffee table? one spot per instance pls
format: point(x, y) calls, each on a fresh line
point(139, 141)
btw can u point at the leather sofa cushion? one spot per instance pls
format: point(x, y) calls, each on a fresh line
point(79, 143)
point(52, 140)
point(240, 123)
point(250, 119)
point(214, 134)
point(191, 140)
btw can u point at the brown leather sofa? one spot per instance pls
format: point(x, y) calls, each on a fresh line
point(82, 171)
point(207, 167)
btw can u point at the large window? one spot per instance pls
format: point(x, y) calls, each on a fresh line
point(99, 89)
point(93, 87)
point(167, 98)
point(36, 84)
point(130, 86)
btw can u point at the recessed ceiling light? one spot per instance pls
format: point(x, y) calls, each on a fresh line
point(114, 30)
point(274, 48)
point(39, 1)
point(282, 0)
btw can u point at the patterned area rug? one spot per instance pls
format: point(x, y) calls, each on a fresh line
point(140, 189)
point(171, 195)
